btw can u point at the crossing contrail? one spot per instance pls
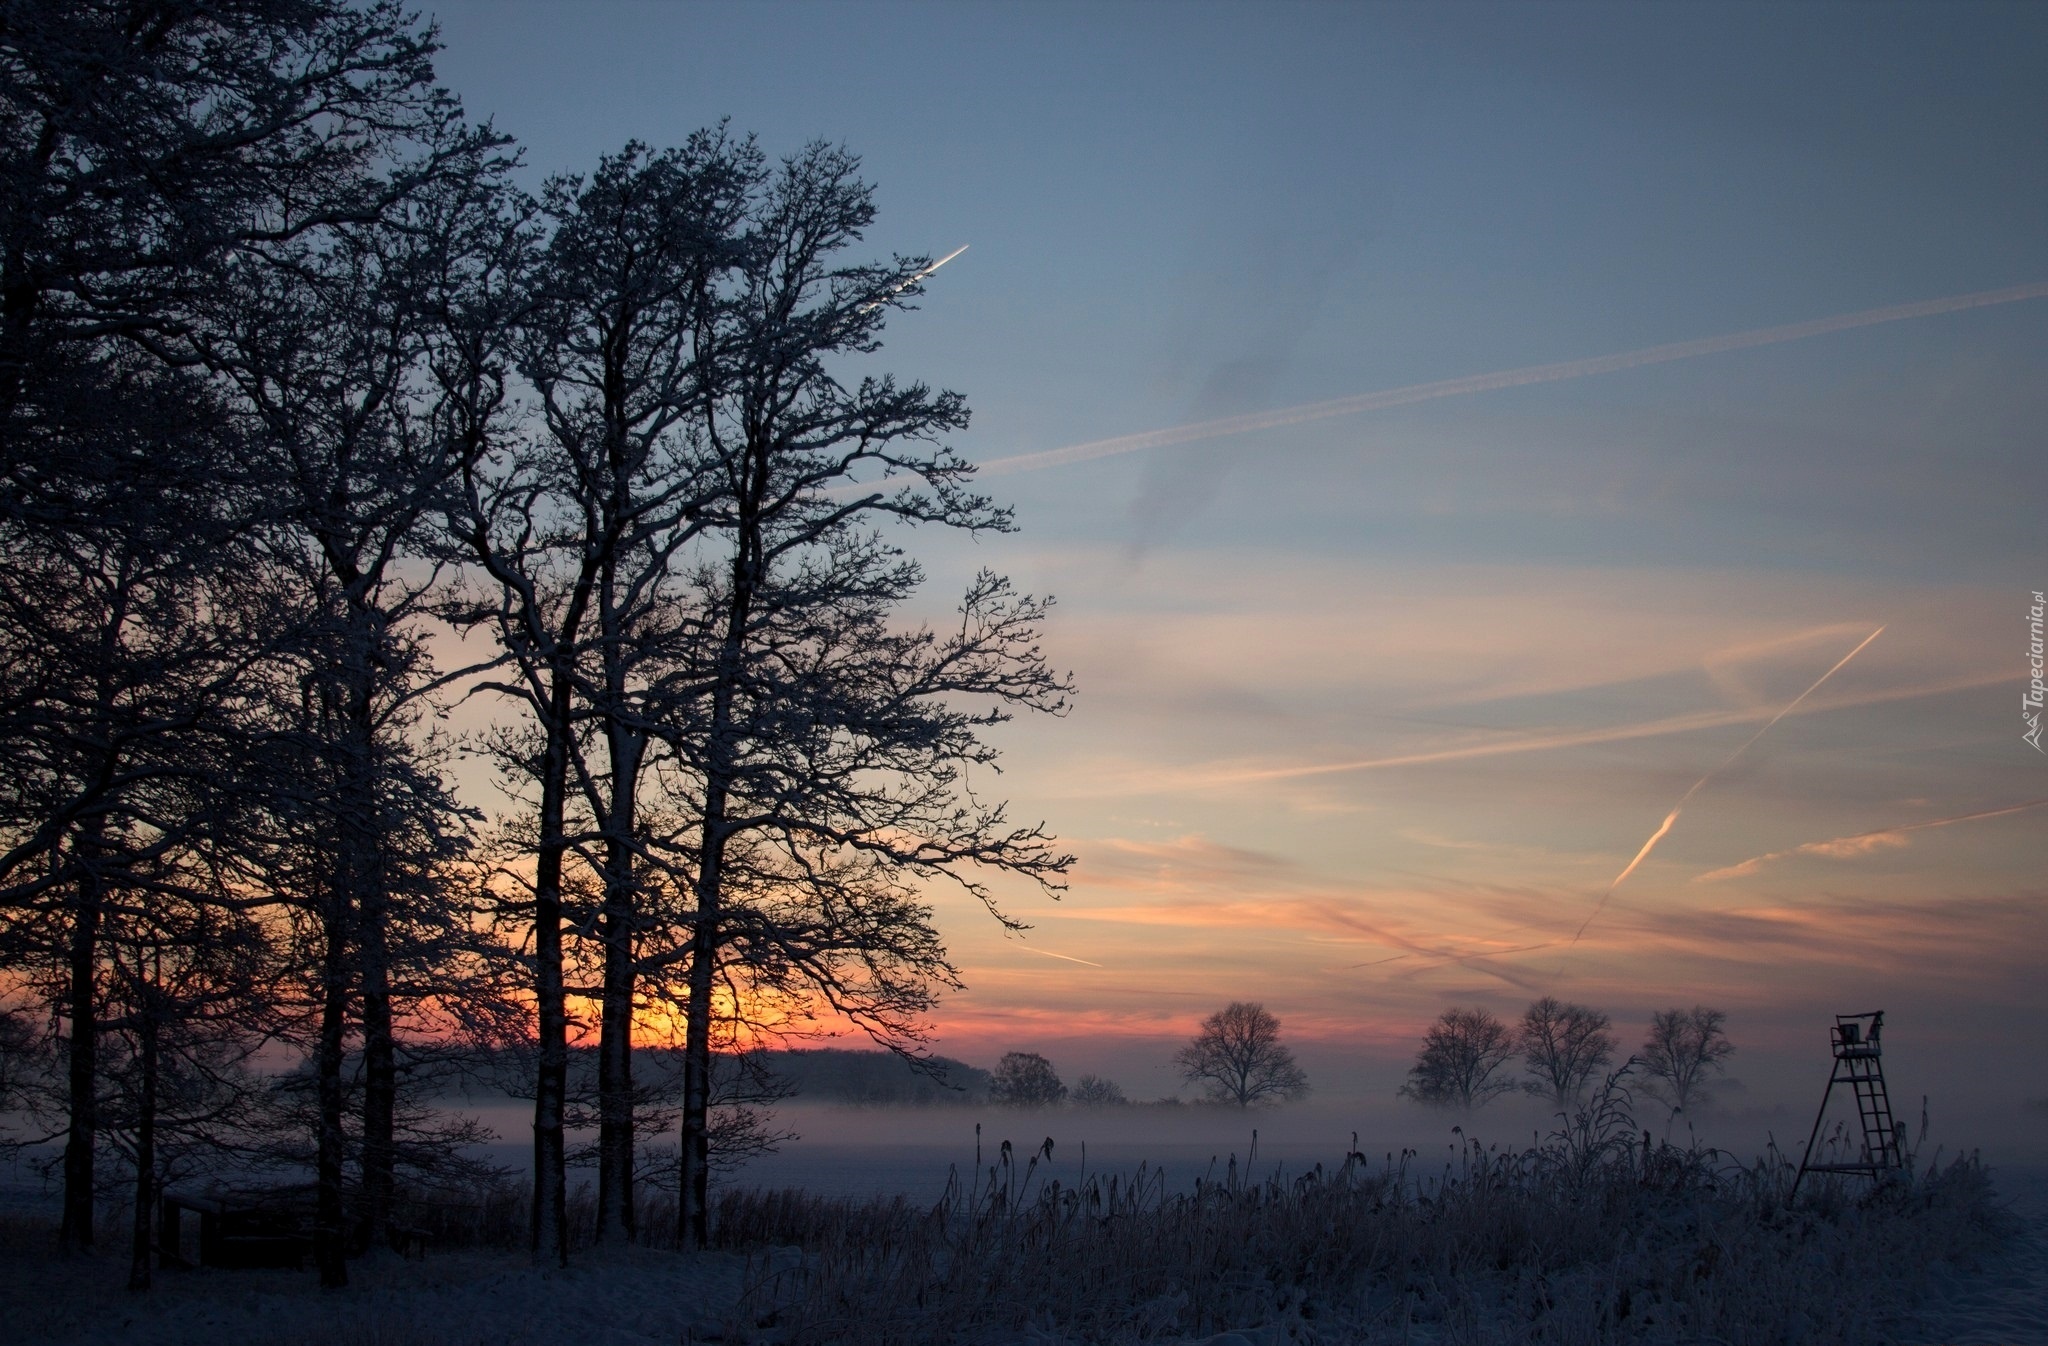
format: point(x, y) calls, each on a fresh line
point(1507, 378)
point(1699, 784)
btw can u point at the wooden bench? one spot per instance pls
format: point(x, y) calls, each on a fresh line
point(232, 1235)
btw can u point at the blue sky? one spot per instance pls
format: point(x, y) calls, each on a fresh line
point(1179, 212)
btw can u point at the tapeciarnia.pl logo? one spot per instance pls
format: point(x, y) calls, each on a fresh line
point(2030, 700)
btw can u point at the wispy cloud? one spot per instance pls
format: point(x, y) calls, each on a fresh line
point(1198, 889)
point(1862, 843)
point(1344, 920)
point(1946, 941)
point(1190, 851)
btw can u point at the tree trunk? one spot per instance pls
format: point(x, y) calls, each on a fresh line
point(693, 1226)
point(615, 1132)
point(693, 1229)
point(145, 1154)
point(551, 1079)
point(330, 1250)
point(75, 1234)
point(380, 1072)
point(363, 825)
point(694, 1176)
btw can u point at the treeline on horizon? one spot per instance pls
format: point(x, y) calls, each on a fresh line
point(298, 386)
point(840, 1075)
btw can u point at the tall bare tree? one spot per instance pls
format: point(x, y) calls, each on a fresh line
point(144, 147)
point(579, 525)
point(818, 729)
point(133, 617)
point(326, 340)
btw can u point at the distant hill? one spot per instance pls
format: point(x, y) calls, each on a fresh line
point(876, 1078)
point(817, 1075)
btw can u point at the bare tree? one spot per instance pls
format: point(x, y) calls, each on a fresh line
point(1025, 1080)
point(611, 347)
point(185, 991)
point(144, 150)
point(578, 520)
point(818, 732)
point(1238, 1056)
point(1683, 1052)
point(130, 618)
point(327, 349)
point(1562, 1045)
point(141, 143)
point(1093, 1091)
point(1460, 1053)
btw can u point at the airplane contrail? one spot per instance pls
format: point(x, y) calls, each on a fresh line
point(1507, 378)
point(1862, 841)
point(1689, 723)
point(1048, 953)
point(1699, 784)
point(901, 287)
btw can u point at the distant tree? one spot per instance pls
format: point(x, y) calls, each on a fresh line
point(1562, 1045)
point(1238, 1056)
point(1025, 1080)
point(1460, 1053)
point(1093, 1091)
point(1684, 1049)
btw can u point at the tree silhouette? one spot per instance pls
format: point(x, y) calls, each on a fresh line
point(1562, 1045)
point(1238, 1056)
point(147, 155)
point(290, 365)
point(1460, 1053)
point(1685, 1048)
point(821, 734)
point(1093, 1091)
point(1025, 1080)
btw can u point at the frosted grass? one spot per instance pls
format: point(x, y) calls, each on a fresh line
point(1597, 1234)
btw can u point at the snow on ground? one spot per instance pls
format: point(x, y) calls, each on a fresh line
point(646, 1298)
point(637, 1298)
point(2003, 1302)
point(652, 1298)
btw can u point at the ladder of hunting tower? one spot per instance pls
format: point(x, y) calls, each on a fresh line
point(1859, 1063)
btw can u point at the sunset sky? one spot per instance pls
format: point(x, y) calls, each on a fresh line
point(1375, 706)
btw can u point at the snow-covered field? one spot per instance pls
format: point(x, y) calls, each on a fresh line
point(1982, 1296)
